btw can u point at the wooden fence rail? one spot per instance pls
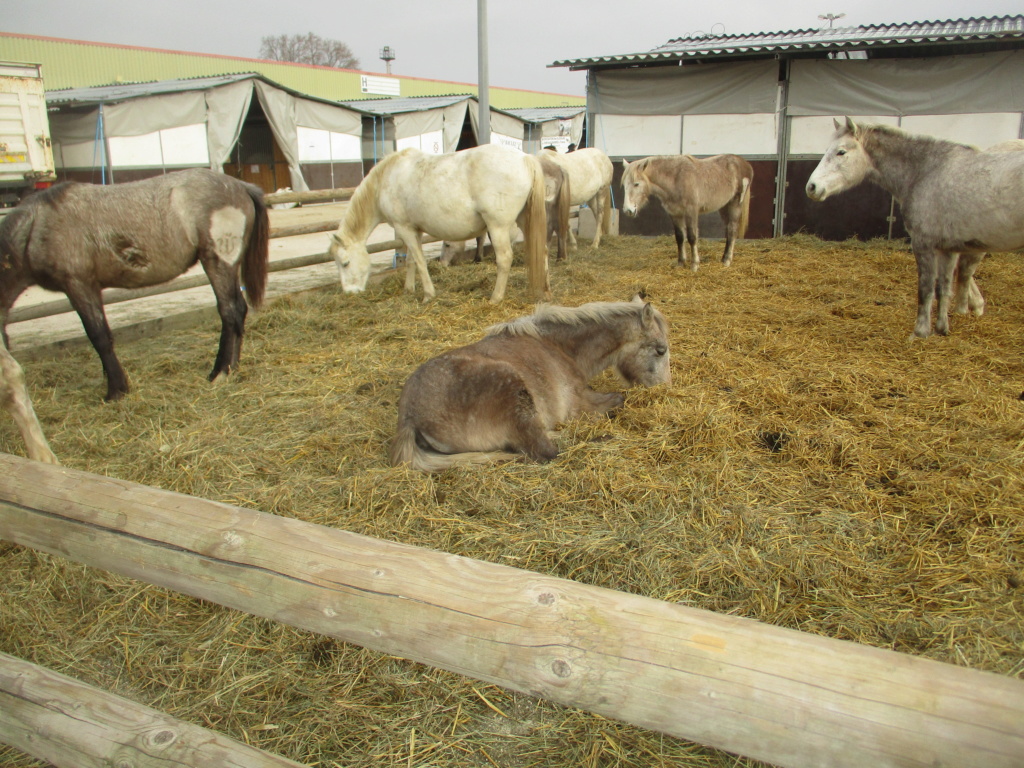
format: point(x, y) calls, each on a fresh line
point(778, 695)
point(96, 729)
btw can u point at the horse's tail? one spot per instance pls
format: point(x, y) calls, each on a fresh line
point(563, 204)
point(257, 253)
point(745, 184)
point(405, 450)
point(535, 233)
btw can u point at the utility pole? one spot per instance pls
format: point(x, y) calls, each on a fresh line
point(483, 78)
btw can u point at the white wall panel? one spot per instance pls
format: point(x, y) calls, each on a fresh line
point(638, 135)
point(811, 135)
point(981, 130)
point(733, 134)
point(431, 142)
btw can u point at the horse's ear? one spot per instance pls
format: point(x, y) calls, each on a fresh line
point(648, 315)
point(637, 298)
point(625, 164)
point(335, 239)
point(851, 126)
point(837, 124)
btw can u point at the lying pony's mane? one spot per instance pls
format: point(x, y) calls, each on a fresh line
point(551, 314)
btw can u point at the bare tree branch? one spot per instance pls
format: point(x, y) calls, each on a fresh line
point(308, 49)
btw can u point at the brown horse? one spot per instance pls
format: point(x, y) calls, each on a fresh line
point(82, 238)
point(688, 187)
point(14, 396)
point(500, 397)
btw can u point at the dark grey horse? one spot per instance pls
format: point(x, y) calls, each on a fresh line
point(500, 397)
point(82, 238)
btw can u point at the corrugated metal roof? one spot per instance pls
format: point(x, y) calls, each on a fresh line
point(401, 104)
point(73, 97)
point(542, 114)
point(125, 91)
point(953, 32)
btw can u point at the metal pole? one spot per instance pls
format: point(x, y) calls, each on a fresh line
point(483, 85)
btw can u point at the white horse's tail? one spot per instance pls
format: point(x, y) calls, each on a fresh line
point(535, 234)
point(745, 185)
point(405, 450)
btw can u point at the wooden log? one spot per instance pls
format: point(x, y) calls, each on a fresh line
point(118, 295)
point(774, 694)
point(96, 729)
point(314, 196)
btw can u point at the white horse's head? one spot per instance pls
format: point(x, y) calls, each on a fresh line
point(845, 163)
point(636, 187)
point(353, 262)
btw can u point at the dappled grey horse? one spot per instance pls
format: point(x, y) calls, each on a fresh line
point(82, 238)
point(958, 202)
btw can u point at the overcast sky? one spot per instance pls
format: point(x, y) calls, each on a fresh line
point(436, 39)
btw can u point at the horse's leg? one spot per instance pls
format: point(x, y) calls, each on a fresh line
point(680, 248)
point(926, 274)
point(692, 235)
point(87, 301)
point(968, 295)
point(945, 267)
point(597, 206)
point(601, 403)
point(501, 239)
point(232, 309)
point(417, 263)
point(731, 218)
point(529, 435)
point(10, 289)
point(14, 396)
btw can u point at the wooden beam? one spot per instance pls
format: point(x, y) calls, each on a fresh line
point(774, 694)
point(315, 196)
point(118, 295)
point(96, 729)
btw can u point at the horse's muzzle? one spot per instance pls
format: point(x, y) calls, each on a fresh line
point(815, 191)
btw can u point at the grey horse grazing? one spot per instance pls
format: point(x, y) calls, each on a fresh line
point(82, 238)
point(688, 187)
point(958, 202)
point(500, 397)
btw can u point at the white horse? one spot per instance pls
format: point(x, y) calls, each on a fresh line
point(590, 182)
point(14, 396)
point(958, 202)
point(452, 197)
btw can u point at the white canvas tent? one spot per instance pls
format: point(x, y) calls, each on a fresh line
point(132, 131)
point(551, 126)
point(432, 124)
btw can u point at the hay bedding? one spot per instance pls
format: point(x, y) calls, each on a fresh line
point(809, 467)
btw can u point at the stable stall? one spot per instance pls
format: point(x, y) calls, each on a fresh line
point(280, 138)
point(771, 98)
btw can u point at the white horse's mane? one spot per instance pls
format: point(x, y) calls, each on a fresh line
point(364, 200)
point(551, 314)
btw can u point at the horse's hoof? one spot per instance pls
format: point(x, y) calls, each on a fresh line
point(115, 396)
